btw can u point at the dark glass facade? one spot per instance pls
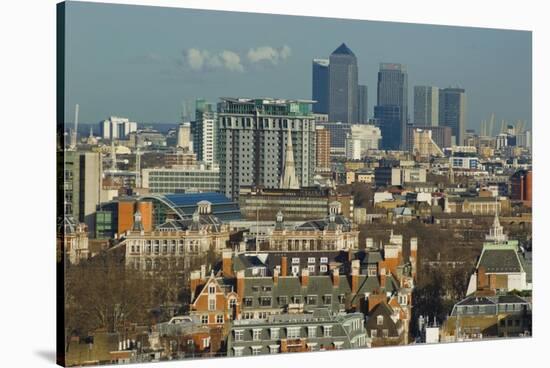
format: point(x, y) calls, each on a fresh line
point(343, 86)
point(393, 91)
point(388, 118)
point(320, 85)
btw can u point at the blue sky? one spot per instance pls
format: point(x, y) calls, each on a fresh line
point(142, 62)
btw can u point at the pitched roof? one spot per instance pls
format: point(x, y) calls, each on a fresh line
point(500, 260)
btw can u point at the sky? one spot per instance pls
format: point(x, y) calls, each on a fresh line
point(142, 62)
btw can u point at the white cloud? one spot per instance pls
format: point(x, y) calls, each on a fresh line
point(199, 60)
point(268, 54)
point(195, 59)
point(232, 61)
point(202, 60)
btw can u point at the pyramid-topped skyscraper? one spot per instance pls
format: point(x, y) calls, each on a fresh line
point(343, 86)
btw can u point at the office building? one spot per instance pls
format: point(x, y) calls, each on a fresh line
point(322, 149)
point(390, 176)
point(338, 132)
point(204, 132)
point(182, 178)
point(423, 144)
point(441, 135)
point(452, 112)
point(184, 137)
point(360, 139)
point(363, 106)
point(296, 204)
point(393, 92)
point(426, 106)
point(116, 128)
point(388, 119)
point(320, 85)
point(343, 86)
point(253, 139)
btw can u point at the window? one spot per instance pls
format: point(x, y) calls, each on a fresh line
point(327, 331)
point(238, 351)
point(204, 319)
point(312, 299)
point(327, 299)
point(274, 333)
point(212, 289)
point(256, 350)
point(219, 318)
point(238, 334)
point(211, 304)
point(247, 302)
point(257, 334)
point(380, 320)
point(295, 270)
point(273, 349)
point(295, 261)
point(265, 301)
point(311, 269)
point(323, 268)
point(206, 342)
point(373, 333)
point(311, 260)
point(293, 332)
point(385, 333)
point(324, 259)
point(311, 331)
point(297, 299)
point(283, 300)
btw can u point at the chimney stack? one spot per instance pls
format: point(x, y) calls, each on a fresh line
point(304, 279)
point(275, 276)
point(382, 278)
point(240, 285)
point(335, 277)
point(283, 266)
point(195, 281)
point(227, 263)
point(354, 276)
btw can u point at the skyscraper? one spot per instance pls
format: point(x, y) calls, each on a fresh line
point(363, 105)
point(452, 112)
point(253, 138)
point(343, 86)
point(204, 132)
point(426, 106)
point(393, 91)
point(320, 85)
point(388, 119)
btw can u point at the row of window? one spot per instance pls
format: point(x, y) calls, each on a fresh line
point(266, 301)
point(291, 333)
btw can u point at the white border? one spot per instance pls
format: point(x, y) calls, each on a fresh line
point(28, 172)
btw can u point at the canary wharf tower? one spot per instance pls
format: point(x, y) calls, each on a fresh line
point(343, 86)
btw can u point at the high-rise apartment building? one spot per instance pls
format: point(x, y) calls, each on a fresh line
point(426, 106)
point(452, 112)
point(393, 91)
point(204, 132)
point(116, 127)
point(82, 186)
point(322, 149)
point(363, 105)
point(252, 141)
point(343, 86)
point(320, 85)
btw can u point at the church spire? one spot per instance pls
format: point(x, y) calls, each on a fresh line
point(288, 178)
point(496, 233)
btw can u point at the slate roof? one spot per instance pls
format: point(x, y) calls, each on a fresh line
point(188, 223)
point(325, 223)
point(500, 260)
point(384, 310)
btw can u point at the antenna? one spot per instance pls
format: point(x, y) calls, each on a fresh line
point(76, 119)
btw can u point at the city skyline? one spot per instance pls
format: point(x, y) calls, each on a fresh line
point(157, 56)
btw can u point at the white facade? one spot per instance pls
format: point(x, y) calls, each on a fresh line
point(360, 139)
point(184, 136)
point(117, 128)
